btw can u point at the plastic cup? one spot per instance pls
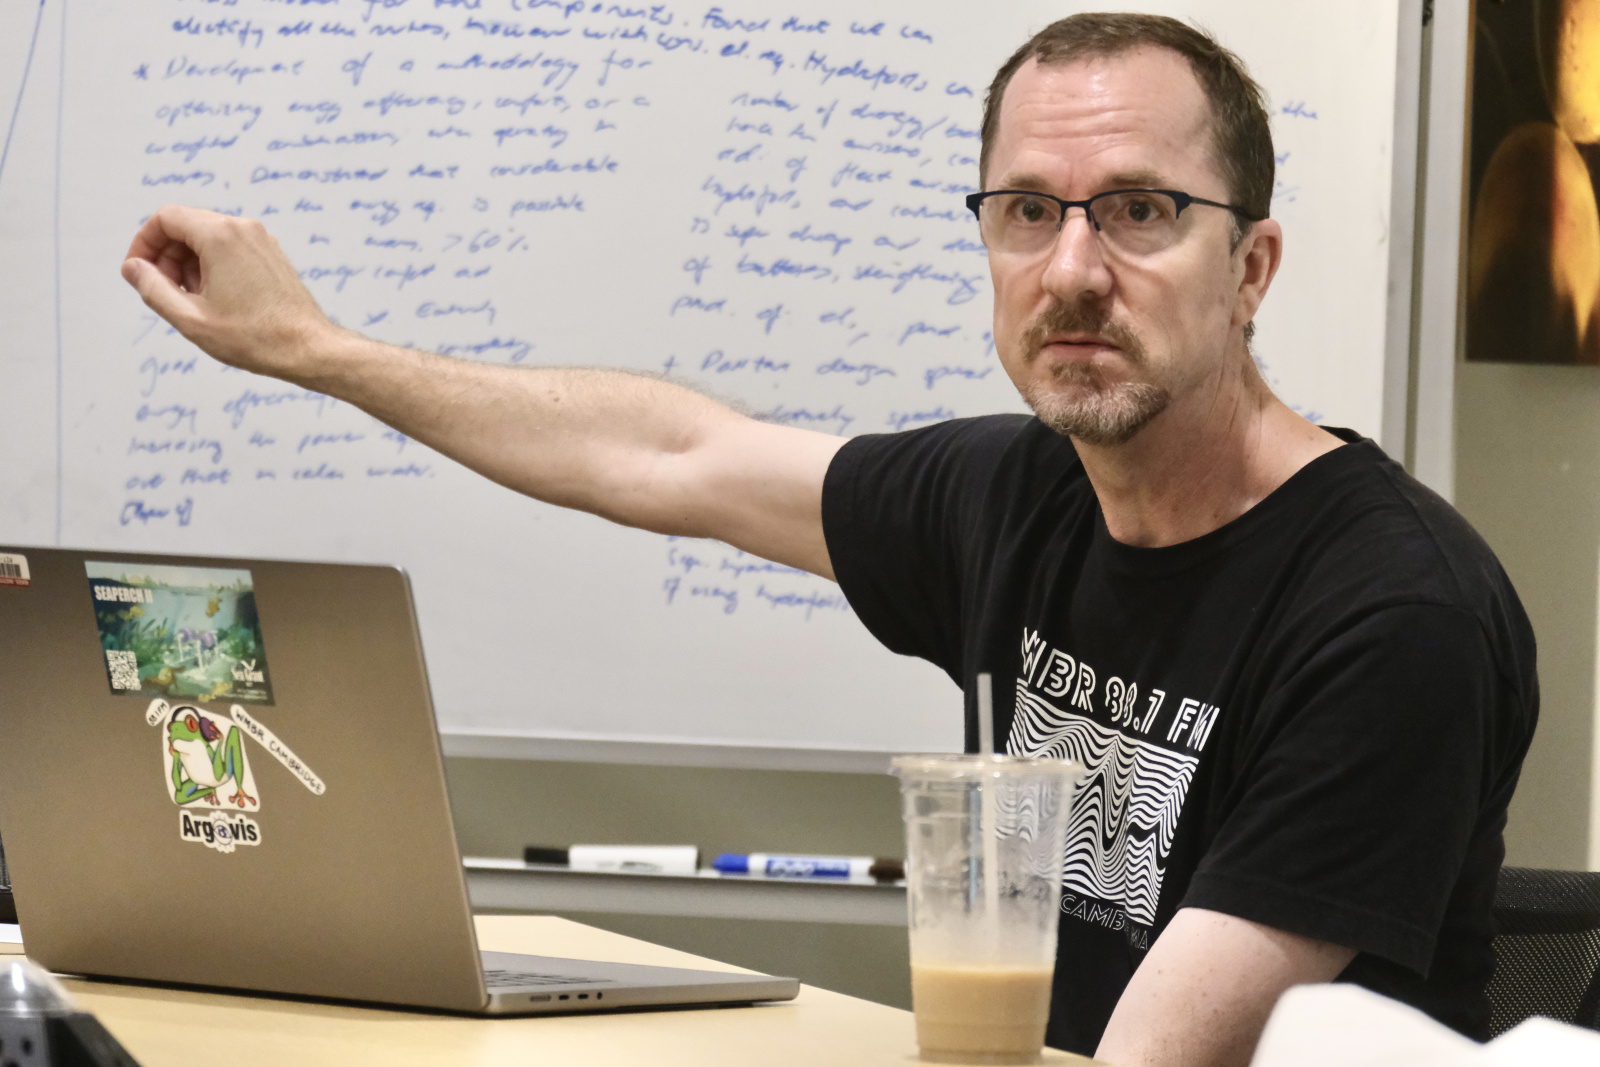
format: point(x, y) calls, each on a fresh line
point(985, 844)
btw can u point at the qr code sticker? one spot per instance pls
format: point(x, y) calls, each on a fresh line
point(124, 669)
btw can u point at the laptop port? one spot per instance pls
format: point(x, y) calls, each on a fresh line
point(565, 997)
point(583, 996)
point(539, 997)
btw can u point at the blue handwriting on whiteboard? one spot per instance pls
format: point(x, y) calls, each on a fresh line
point(805, 234)
point(783, 267)
point(175, 414)
point(319, 440)
point(763, 198)
point(812, 601)
point(899, 420)
point(858, 69)
point(866, 371)
point(235, 71)
point(140, 512)
point(429, 310)
point(787, 416)
point(330, 175)
point(964, 287)
point(560, 68)
point(900, 122)
point(550, 165)
point(516, 348)
point(249, 400)
point(554, 203)
point(177, 446)
point(718, 363)
point(918, 328)
point(207, 109)
point(153, 370)
point(745, 234)
point(935, 374)
point(189, 149)
point(759, 566)
point(694, 303)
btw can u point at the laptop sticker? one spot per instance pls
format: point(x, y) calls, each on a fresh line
point(208, 772)
point(14, 569)
point(280, 751)
point(185, 633)
point(208, 776)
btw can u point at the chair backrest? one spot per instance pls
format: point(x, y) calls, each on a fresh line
point(1546, 947)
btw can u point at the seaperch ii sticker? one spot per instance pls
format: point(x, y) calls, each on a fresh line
point(14, 569)
point(184, 633)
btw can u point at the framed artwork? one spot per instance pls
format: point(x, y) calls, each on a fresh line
point(1533, 238)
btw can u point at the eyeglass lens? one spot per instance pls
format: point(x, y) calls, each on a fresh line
point(1138, 223)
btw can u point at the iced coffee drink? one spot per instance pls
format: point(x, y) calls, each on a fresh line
point(966, 1009)
point(985, 843)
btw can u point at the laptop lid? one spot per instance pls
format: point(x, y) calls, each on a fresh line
point(227, 772)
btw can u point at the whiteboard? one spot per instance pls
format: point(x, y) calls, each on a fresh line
point(763, 199)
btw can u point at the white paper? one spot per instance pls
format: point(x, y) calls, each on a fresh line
point(1543, 1041)
point(1346, 1026)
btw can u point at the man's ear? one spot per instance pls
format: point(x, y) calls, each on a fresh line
point(1256, 259)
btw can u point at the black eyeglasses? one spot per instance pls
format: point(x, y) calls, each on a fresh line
point(1134, 221)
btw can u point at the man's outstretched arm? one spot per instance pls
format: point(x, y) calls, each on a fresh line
point(1203, 993)
point(633, 449)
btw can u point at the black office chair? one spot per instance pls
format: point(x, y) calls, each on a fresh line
point(1547, 948)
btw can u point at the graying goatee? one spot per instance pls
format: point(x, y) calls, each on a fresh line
point(1091, 409)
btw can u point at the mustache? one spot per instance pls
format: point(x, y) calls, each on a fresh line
point(1082, 316)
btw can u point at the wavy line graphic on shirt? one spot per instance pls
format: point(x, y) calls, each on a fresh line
point(1125, 812)
point(1018, 812)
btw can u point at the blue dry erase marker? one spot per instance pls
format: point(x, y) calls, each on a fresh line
point(795, 866)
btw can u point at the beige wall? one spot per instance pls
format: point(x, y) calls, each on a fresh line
point(1528, 477)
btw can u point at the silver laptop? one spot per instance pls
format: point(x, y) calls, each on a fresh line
point(226, 773)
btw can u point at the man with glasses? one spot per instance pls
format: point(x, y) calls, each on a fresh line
point(1302, 685)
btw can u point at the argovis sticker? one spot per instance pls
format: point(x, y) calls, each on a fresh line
point(208, 773)
point(208, 776)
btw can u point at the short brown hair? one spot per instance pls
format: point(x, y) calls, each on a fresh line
point(1241, 131)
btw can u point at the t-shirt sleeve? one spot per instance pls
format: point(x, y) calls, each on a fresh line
point(900, 512)
point(1357, 802)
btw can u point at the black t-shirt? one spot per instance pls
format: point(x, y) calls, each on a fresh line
point(1312, 717)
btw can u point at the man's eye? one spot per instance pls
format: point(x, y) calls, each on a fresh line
point(1141, 211)
point(1031, 211)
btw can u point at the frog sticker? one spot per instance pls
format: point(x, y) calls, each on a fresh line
point(206, 762)
point(208, 776)
point(208, 773)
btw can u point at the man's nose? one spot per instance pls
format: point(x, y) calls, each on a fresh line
point(1077, 264)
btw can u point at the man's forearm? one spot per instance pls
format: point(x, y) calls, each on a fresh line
point(605, 442)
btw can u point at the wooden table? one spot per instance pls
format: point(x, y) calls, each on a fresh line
point(162, 1027)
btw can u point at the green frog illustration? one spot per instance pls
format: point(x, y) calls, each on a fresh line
point(204, 759)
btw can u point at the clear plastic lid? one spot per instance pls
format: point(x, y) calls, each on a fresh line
point(28, 989)
point(961, 766)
